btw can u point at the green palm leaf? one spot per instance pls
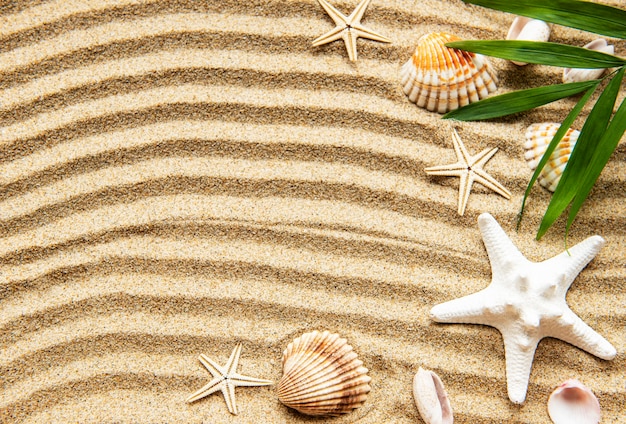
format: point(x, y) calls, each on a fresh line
point(553, 54)
point(592, 17)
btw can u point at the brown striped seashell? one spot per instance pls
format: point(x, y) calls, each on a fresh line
point(573, 403)
point(538, 137)
point(442, 79)
point(528, 29)
point(580, 74)
point(322, 376)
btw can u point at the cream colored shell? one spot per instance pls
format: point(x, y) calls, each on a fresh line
point(528, 29)
point(442, 79)
point(322, 376)
point(580, 74)
point(538, 137)
point(573, 403)
point(431, 398)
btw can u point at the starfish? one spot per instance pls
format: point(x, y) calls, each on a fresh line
point(526, 302)
point(469, 169)
point(226, 379)
point(348, 27)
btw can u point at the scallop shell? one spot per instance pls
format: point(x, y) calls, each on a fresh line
point(442, 79)
point(573, 403)
point(322, 376)
point(578, 74)
point(528, 29)
point(538, 137)
point(431, 398)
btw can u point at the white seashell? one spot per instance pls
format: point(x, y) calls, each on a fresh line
point(573, 403)
point(322, 376)
point(528, 29)
point(538, 137)
point(579, 74)
point(442, 79)
point(431, 398)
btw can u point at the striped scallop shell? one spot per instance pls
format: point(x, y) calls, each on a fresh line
point(538, 137)
point(442, 79)
point(322, 376)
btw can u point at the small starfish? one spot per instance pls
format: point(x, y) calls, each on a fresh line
point(526, 302)
point(470, 170)
point(226, 379)
point(348, 27)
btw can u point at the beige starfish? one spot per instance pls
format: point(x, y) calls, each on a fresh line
point(348, 27)
point(226, 379)
point(469, 169)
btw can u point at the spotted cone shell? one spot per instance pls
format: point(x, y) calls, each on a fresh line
point(442, 79)
point(322, 376)
point(538, 137)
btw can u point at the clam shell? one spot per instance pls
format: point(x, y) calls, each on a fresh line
point(431, 398)
point(579, 74)
point(442, 79)
point(538, 137)
point(573, 403)
point(528, 29)
point(322, 376)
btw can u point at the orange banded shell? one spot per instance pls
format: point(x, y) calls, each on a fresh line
point(442, 79)
point(322, 376)
point(538, 137)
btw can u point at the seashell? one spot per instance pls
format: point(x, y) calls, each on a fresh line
point(528, 29)
point(442, 79)
point(573, 403)
point(538, 137)
point(579, 74)
point(322, 376)
point(431, 398)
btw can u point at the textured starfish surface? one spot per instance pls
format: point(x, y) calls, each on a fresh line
point(526, 302)
point(348, 27)
point(469, 169)
point(226, 379)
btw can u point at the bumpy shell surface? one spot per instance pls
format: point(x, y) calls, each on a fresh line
point(431, 398)
point(442, 79)
point(528, 29)
point(538, 136)
point(579, 74)
point(322, 376)
point(573, 403)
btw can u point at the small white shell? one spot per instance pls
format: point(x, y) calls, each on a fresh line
point(431, 398)
point(442, 79)
point(322, 376)
point(573, 403)
point(578, 74)
point(528, 29)
point(538, 137)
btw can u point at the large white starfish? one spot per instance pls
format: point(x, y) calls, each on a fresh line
point(469, 169)
point(226, 379)
point(526, 302)
point(348, 27)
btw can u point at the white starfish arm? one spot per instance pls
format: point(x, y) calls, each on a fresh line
point(332, 35)
point(228, 390)
point(501, 250)
point(573, 330)
point(211, 387)
point(451, 170)
point(519, 351)
point(488, 181)
point(459, 149)
point(465, 188)
point(233, 361)
point(357, 14)
point(465, 310)
point(244, 380)
point(349, 38)
point(214, 368)
point(365, 32)
point(579, 256)
point(339, 18)
point(479, 160)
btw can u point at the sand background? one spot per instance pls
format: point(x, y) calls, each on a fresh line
point(177, 177)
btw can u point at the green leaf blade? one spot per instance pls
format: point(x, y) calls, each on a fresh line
point(517, 101)
point(580, 158)
point(544, 53)
point(587, 16)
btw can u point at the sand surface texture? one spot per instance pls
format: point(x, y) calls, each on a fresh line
point(177, 177)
